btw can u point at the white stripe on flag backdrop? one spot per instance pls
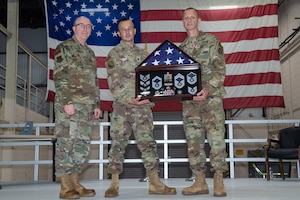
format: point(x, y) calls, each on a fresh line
point(247, 29)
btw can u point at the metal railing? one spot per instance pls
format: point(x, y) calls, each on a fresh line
point(27, 94)
point(165, 141)
point(2, 81)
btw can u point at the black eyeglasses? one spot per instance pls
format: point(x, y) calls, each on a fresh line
point(87, 26)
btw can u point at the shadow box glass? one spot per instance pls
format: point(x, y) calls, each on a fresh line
point(169, 82)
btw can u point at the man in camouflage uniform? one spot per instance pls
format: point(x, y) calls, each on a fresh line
point(76, 103)
point(130, 113)
point(204, 115)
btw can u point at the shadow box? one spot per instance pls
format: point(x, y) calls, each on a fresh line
point(168, 82)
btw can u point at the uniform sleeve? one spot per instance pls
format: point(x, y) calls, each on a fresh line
point(218, 72)
point(62, 76)
point(97, 91)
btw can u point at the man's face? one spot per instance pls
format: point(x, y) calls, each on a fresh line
point(126, 31)
point(191, 19)
point(82, 28)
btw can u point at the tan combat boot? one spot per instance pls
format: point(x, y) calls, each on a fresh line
point(83, 192)
point(219, 188)
point(199, 186)
point(67, 191)
point(113, 190)
point(157, 187)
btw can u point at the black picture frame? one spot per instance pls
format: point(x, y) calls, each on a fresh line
point(168, 82)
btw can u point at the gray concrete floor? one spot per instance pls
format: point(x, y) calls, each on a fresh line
point(239, 188)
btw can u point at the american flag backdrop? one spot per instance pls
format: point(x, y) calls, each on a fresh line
point(247, 29)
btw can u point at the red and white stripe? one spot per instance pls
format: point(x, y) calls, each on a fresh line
point(248, 31)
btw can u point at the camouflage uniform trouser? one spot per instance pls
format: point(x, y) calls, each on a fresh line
point(126, 120)
point(73, 138)
point(200, 119)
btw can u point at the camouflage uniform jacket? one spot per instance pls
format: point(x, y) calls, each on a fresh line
point(75, 74)
point(208, 51)
point(121, 63)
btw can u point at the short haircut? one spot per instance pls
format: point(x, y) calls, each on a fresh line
point(192, 8)
point(123, 20)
